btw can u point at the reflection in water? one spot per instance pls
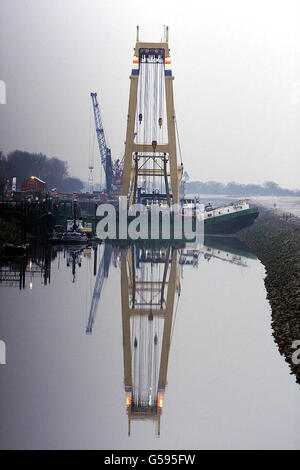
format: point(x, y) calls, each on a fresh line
point(191, 255)
point(149, 281)
point(21, 271)
point(102, 274)
point(150, 292)
point(74, 259)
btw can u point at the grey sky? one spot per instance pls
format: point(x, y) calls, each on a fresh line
point(237, 81)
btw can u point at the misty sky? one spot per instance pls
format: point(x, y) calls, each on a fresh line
point(236, 88)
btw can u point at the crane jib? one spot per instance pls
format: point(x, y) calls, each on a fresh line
point(105, 153)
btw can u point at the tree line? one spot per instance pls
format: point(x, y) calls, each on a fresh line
point(53, 171)
point(269, 188)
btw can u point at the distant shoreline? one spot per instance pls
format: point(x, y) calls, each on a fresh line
point(233, 189)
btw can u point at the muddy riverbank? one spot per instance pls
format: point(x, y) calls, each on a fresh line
point(275, 240)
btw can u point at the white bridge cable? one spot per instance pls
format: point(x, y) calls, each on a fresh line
point(150, 118)
point(178, 140)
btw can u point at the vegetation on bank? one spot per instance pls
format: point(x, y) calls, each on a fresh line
point(275, 239)
point(22, 165)
point(9, 231)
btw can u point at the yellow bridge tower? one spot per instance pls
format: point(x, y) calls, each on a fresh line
point(150, 161)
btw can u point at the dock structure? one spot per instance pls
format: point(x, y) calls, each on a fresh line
point(150, 160)
point(149, 282)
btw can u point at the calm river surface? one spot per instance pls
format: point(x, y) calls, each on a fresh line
point(79, 375)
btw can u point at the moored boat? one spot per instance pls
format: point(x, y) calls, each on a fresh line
point(78, 225)
point(230, 218)
point(223, 220)
point(74, 238)
point(57, 234)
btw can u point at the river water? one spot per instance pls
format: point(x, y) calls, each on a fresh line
point(285, 203)
point(82, 375)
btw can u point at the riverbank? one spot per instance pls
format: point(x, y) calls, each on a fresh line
point(275, 239)
point(24, 221)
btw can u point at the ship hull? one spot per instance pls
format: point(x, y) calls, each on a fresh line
point(230, 223)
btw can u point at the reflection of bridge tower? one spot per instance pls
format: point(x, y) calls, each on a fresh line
point(149, 281)
point(150, 152)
